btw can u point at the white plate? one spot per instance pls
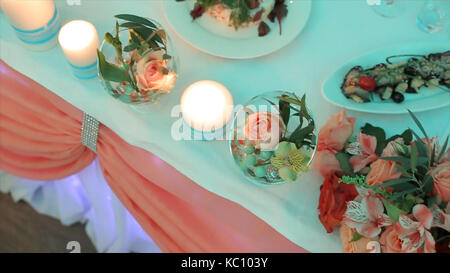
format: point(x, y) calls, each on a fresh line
point(216, 39)
point(425, 100)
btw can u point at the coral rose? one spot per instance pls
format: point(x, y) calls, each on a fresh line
point(326, 164)
point(264, 129)
point(333, 201)
point(359, 246)
point(335, 133)
point(383, 170)
point(441, 177)
point(390, 242)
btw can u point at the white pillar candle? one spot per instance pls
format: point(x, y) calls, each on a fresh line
point(28, 14)
point(206, 105)
point(79, 42)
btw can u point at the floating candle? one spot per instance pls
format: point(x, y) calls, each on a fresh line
point(206, 105)
point(79, 42)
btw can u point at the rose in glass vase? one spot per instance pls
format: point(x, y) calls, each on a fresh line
point(274, 138)
point(136, 63)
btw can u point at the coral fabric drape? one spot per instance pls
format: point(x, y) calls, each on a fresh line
point(40, 139)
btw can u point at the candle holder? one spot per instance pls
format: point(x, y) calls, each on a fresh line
point(79, 42)
point(274, 138)
point(42, 38)
point(137, 62)
point(206, 107)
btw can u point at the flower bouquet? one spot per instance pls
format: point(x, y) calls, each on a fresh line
point(274, 138)
point(392, 192)
point(135, 62)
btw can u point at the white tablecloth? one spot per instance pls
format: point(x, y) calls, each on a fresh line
point(337, 31)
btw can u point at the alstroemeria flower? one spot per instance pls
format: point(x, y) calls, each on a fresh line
point(367, 147)
point(290, 161)
point(416, 234)
point(441, 218)
point(367, 216)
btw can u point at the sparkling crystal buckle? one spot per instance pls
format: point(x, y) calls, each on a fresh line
point(89, 132)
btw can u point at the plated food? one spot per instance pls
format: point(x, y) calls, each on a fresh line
point(240, 14)
point(391, 80)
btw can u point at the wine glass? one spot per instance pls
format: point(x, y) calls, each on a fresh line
point(433, 16)
point(387, 8)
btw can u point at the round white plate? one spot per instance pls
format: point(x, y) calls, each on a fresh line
point(426, 99)
point(217, 39)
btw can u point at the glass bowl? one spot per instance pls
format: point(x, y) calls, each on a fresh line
point(135, 93)
point(274, 138)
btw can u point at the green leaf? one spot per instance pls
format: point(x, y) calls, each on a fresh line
point(418, 123)
point(406, 162)
point(444, 148)
point(111, 72)
point(428, 183)
point(130, 47)
point(413, 158)
point(392, 211)
point(377, 132)
point(285, 111)
point(167, 57)
point(356, 237)
point(299, 135)
point(421, 147)
point(344, 162)
point(136, 19)
point(400, 184)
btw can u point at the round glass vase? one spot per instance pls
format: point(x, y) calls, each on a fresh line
point(126, 92)
point(273, 138)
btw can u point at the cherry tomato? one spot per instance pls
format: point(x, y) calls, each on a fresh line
point(367, 83)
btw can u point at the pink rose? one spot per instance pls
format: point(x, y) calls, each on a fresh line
point(336, 132)
point(264, 129)
point(149, 75)
point(441, 177)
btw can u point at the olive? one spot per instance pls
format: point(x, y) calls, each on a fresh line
point(409, 70)
point(397, 97)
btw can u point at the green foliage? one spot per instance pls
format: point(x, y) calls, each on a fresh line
point(392, 211)
point(344, 162)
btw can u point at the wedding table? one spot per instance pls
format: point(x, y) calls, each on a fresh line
point(336, 32)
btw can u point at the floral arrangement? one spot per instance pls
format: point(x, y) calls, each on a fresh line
point(141, 70)
point(275, 146)
point(394, 191)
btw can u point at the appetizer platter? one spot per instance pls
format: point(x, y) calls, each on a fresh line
point(392, 80)
point(237, 29)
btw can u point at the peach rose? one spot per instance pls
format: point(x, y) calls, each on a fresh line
point(325, 163)
point(441, 176)
point(359, 246)
point(336, 132)
point(264, 129)
point(149, 75)
point(383, 170)
point(390, 242)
